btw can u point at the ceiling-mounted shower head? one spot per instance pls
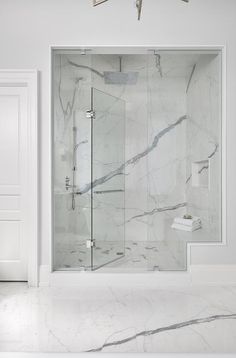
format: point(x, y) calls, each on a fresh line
point(119, 77)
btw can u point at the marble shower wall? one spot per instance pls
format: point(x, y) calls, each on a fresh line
point(135, 141)
point(166, 130)
point(166, 164)
point(156, 180)
point(204, 145)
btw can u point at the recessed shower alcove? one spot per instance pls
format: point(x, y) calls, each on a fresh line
point(136, 157)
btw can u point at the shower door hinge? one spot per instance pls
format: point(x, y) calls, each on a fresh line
point(90, 243)
point(90, 114)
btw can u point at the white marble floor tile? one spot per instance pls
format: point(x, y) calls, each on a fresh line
point(178, 320)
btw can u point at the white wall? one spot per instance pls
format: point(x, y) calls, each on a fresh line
point(29, 27)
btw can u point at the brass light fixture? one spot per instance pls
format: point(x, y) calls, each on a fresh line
point(98, 2)
point(139, 4)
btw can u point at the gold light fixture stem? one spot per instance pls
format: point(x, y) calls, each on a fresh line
point(98, 2)
point(139, 4)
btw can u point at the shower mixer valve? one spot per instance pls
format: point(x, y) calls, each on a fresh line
point(67, 183)
point(68, 186)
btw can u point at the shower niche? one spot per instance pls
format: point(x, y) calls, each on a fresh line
point(136, 145)
point(200, 173)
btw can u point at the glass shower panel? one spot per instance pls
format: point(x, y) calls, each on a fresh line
point(108, 180)
point(71, 161)
point(173, 158)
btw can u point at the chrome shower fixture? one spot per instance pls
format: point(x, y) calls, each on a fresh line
point(120, 77)
point(138, 4)
point(83, 51)
point(157, 61)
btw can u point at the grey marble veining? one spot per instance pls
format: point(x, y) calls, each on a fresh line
point(175, 326)
point(131, 319)
point(68, 107)
point(137, 254)
point(204, 167)
point(203, 133)
point(86, 67)
point(133, 160)
point(158, 210)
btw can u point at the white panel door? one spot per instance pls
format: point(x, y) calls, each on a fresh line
point(13, 183)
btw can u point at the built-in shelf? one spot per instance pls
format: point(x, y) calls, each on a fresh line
point(200, 173)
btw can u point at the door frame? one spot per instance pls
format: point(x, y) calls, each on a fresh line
point(29, 79)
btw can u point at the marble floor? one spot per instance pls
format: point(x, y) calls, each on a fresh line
point(138, 256)
point(196, 319)
point(170, 254)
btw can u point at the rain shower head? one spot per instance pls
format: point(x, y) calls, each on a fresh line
point(119, 77)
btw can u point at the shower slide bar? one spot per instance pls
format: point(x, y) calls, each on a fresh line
point(108, 191)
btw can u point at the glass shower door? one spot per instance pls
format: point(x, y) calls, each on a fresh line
point(108, 180)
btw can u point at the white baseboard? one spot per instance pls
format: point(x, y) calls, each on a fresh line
point(213, 274)
point(197, 274)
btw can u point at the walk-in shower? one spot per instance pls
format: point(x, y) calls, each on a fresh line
point(136, 156)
